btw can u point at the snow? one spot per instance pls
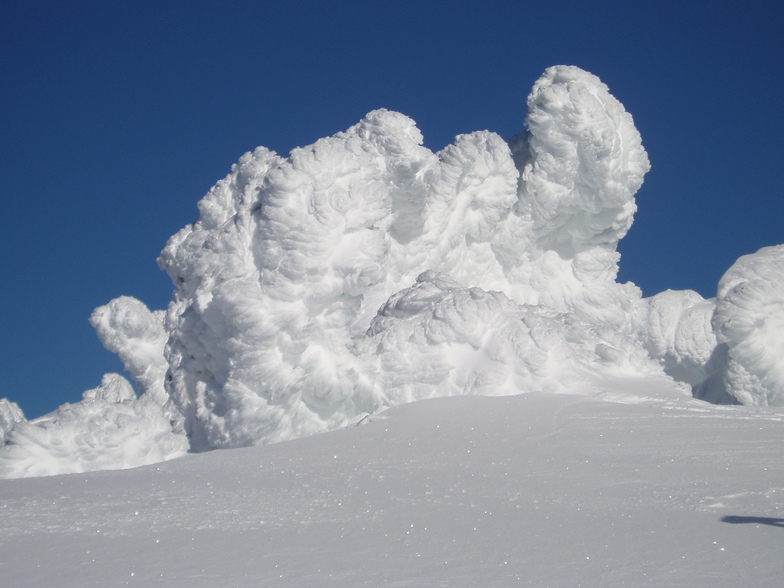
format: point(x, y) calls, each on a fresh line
point(679, 331)
point(366, 271)
point(110, 428)
point(275, 330)
point(587, 162)
point(535, 490)
point(749, 319)
point(10, 414)
point(125, 326)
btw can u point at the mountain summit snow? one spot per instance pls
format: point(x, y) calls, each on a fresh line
point(365, 271)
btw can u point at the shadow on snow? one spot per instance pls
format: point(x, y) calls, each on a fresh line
point(758, 520)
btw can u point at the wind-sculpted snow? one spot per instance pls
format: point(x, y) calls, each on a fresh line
point(587, 163)
point(679, 331)
point(440, 339)
point(749, 320)
point(10, 414)
point(109, 429)
point(365, 271)
point(126, 327)
point(280, 280)
point(731, 348)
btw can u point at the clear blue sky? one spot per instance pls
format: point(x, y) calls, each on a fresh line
point(116, 117)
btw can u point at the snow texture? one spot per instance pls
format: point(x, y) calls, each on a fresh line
point(109, 429)
point(679, 331)
point(10, 414)
point(749, 320)
point(529, 490)
point(729, 349)
point(275, 331)
point(366, 271)
point(126, 327)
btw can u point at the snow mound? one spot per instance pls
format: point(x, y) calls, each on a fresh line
point(749, 320)
point(366, 271)
point(680, 333)
point(109, 429)
point(729, 349)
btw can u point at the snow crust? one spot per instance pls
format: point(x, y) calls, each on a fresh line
point(366, 271)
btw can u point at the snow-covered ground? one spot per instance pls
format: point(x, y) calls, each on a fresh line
point(531, 490)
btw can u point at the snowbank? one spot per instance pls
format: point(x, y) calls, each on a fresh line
point(366, 271)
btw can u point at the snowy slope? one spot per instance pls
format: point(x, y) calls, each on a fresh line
point(531, 490)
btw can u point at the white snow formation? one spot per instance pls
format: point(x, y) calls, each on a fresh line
point(365, 271)
point(749, 320)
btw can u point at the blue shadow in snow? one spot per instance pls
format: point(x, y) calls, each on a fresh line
point(756, 520)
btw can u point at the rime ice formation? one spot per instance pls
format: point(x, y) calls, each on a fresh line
point(280, 280)
point(749, 320)
point(126, 327)
point(438, 338)
point(680, 333)
point(109, 429)
point(729, 349)
point(366, 271)
point(586, 163)
point(10, 414)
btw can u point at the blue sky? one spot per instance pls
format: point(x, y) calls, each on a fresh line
point(116, 117)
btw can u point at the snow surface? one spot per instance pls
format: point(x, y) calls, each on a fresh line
point(528, 490)
point(365, 271)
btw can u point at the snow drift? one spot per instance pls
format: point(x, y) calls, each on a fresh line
point(366, 271)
